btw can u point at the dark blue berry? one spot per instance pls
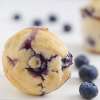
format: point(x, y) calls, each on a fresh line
point(67, 27)
point(67, 61)
point(37, 22)
point(88, 90)
point(88, 73)
point(91, 41)
point(17, 17)
point(81, 60)
point(52, 18)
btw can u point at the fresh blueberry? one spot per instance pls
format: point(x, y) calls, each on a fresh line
point(52, 18)
point(81, 60)
point(88, 90)
point(67, 27)
point(37, 22)
point(88, 73)
point(17, 17)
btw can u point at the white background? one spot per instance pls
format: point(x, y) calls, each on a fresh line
point(67, 11)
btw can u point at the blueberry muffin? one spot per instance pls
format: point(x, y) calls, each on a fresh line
point(36, 61)
point(91, 26)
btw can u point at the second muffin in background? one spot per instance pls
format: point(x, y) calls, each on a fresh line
point(91, 26)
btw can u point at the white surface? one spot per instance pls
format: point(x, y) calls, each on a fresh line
point(67, 11)
point(68, 91)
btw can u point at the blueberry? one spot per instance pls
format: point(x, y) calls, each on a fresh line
point(17, 17)
point(52, 18)
point(87, 12)
point(67, 61)
point(67, 28)
point(37, 22)
point(88, 90)
point(81, 60)
point(91, 41)
point(88, 72)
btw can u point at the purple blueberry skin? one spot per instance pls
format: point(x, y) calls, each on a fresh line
point(52, 18)
point(43, 69)
point(17, 17)
point(67, 28)
point(88, 90)
point(88, 73)
point(67, 61)
point(37, 22)
point(81, 60)
point(27, 43)
point(43, 66)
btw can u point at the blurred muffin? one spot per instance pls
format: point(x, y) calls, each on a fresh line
point(91, 26)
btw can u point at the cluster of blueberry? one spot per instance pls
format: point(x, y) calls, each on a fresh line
point(87, 74)
point(38, 22)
